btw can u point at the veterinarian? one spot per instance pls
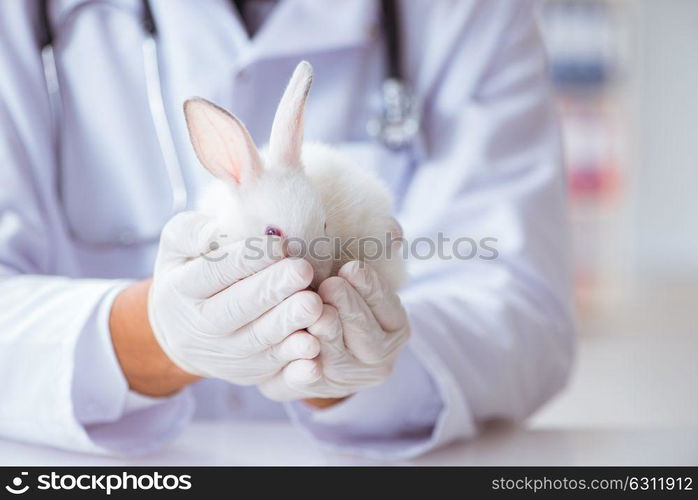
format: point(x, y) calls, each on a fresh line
point(95, 162)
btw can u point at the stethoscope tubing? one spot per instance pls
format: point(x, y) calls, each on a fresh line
point(156, 106)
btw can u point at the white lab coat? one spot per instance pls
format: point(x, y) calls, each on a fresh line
point(491, 338)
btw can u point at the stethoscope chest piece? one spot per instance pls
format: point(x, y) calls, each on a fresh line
point(397, 122)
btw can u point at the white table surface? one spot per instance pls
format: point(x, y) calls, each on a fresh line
point(277, 443)
point(633, 400)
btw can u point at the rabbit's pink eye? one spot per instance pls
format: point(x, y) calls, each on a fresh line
point(273, 231)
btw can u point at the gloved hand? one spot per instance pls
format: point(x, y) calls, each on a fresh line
point(227, 312)
point(362, 329)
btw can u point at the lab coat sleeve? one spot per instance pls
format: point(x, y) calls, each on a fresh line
point(492, 333)
point(384, 421)
point(60, 382)
point(115, 418)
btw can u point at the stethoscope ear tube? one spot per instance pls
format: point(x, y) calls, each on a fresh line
point(163, 131)
point(46, 31)
point(148, 19)
point(393, 41)
point(156, 104)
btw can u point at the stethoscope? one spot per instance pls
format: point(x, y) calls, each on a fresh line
point(395, 125)
point(397, 122)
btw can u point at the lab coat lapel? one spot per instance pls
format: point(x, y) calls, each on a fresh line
point(308, 26)
point(61, 11)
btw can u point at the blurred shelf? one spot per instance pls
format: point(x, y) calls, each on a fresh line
point(585, 41)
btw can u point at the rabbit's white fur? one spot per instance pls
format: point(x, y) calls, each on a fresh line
point(309, 192)
point(357, 207)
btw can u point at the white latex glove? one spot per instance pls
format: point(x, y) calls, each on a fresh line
point(362, 329)
point(229, 315)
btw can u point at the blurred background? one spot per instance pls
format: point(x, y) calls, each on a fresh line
point(626, 77)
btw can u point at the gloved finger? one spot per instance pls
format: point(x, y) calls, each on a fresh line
point(251, 297)
point(363, 336)
point(215, 270)
point(298, 345)
point(293, 381)
point(383, 302)
point(351, 374)
point(185, 236)
point(328, 330)
point(296, 312)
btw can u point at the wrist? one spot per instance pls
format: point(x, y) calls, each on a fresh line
point(148, 370)
point(322, 403)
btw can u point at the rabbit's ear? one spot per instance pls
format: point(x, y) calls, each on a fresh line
point(221, 142)
point(286, 140)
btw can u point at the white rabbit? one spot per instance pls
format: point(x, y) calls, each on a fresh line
point(310, 194)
